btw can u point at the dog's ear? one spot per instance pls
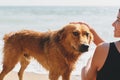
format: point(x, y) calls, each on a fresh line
point(60, 35)
point(91, 37)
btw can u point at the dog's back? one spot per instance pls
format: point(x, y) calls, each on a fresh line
point(26, 39)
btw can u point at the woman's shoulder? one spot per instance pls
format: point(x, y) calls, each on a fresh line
point(103, 46)
point(100, 54)
point(102, 49)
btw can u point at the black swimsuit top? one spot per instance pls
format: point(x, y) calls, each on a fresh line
point(111, 67)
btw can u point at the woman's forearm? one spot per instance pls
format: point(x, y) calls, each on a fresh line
point(97, 38)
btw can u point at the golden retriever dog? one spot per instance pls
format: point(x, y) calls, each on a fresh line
point(57, 51)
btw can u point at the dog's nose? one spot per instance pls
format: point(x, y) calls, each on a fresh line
point(83, 47)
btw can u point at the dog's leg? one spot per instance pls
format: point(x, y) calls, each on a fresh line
point(5, 71)
point(66, 75)
point(53, 75)
point(24, 62)
point(8, 65)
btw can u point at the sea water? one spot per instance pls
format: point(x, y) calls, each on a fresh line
point(44, 18)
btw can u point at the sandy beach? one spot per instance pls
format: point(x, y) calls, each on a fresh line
point(30, 76)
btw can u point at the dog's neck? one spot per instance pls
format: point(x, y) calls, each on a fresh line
point(69, 56)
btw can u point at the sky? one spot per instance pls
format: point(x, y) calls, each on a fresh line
point(60, 2)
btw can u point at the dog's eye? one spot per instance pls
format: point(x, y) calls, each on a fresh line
point(75, 33)
point(87, 34)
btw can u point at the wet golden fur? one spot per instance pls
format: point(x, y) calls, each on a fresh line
point(57, 51)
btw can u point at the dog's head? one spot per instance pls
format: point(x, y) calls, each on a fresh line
point(75, 37)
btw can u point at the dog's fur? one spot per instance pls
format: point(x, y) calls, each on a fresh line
point(57, 51)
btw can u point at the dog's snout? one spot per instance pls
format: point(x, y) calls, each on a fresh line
point(83, 47)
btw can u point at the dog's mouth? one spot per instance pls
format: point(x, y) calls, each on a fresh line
point(81, 48)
